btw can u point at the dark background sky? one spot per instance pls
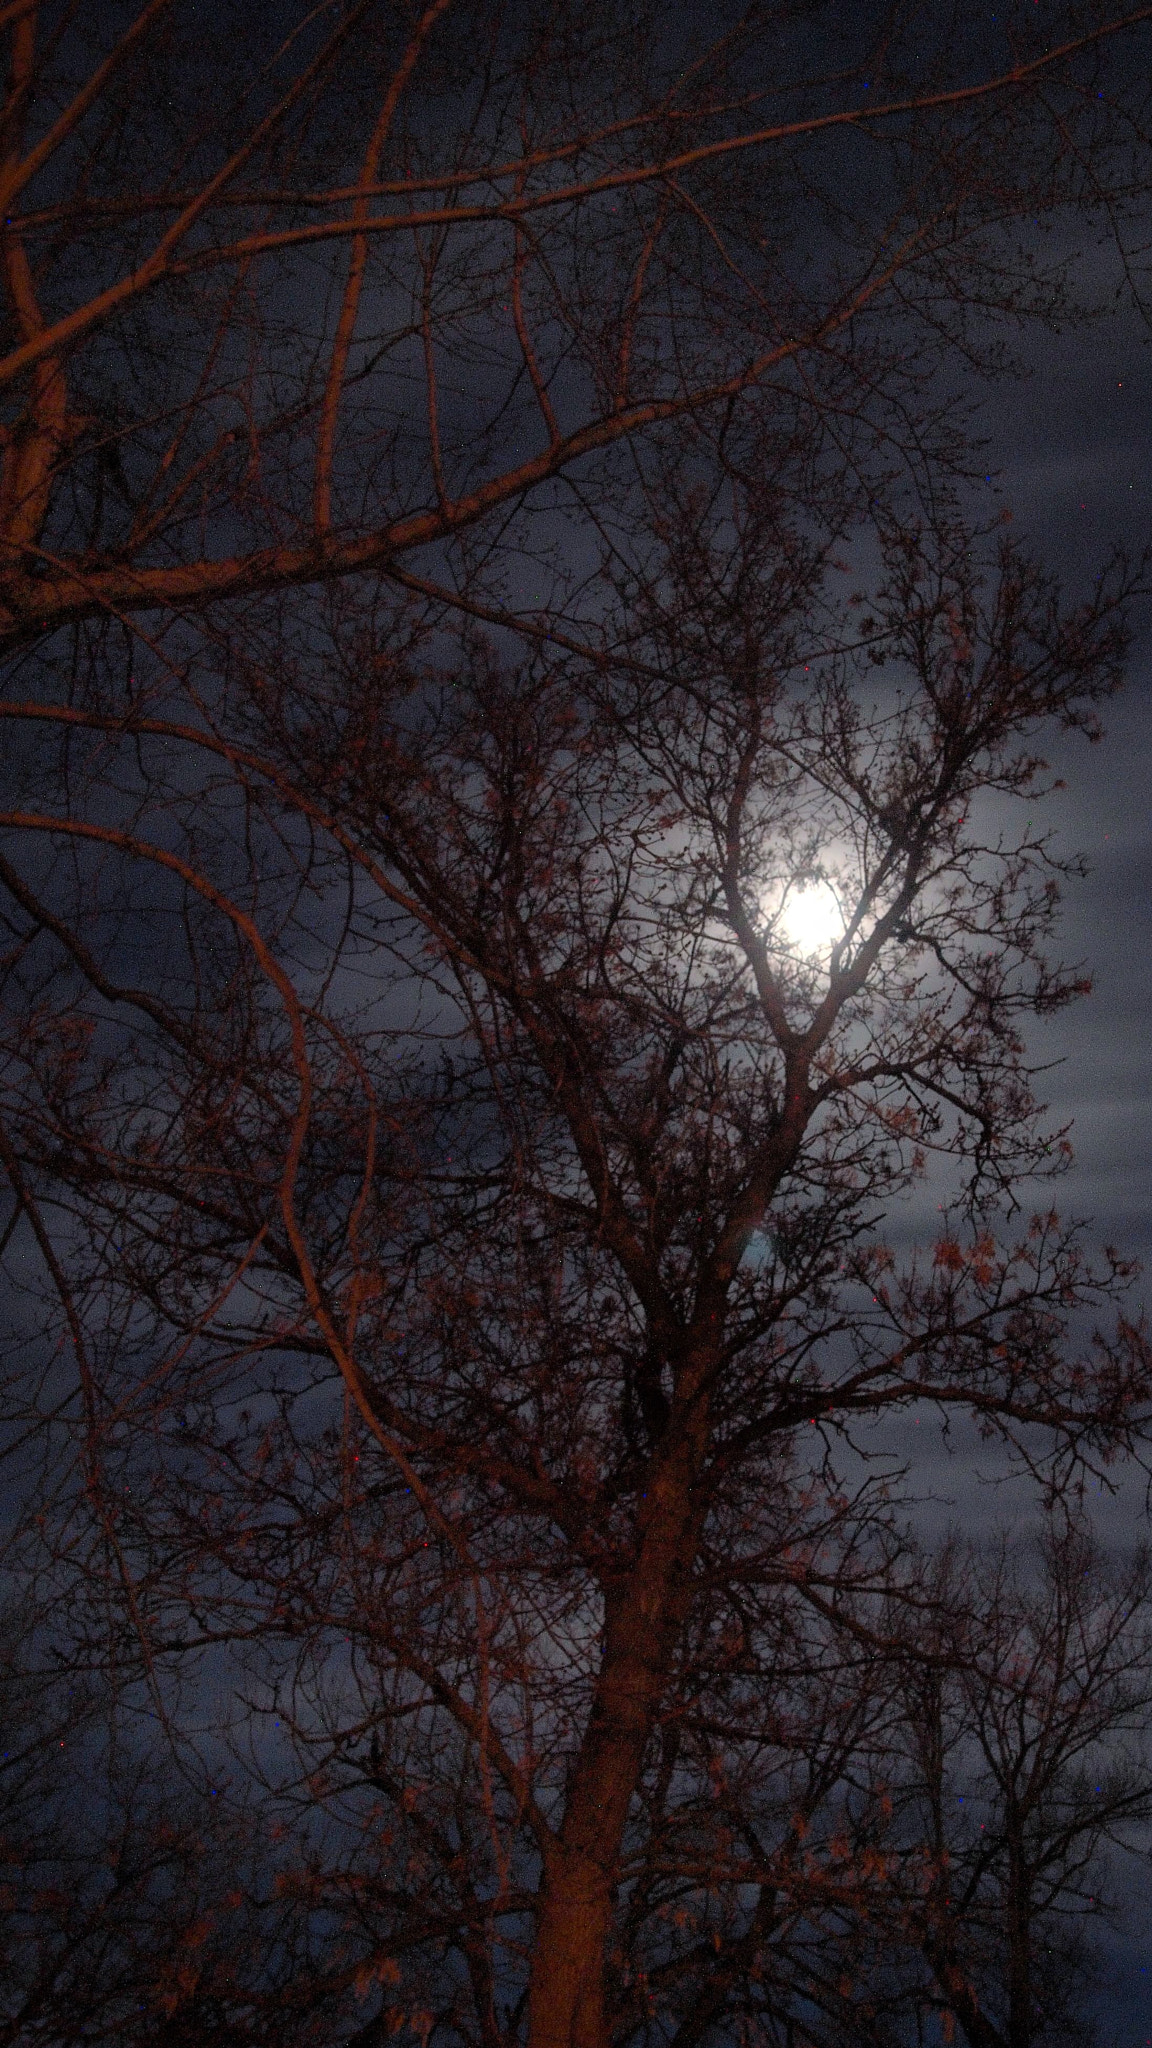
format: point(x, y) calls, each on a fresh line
point(1073, 446)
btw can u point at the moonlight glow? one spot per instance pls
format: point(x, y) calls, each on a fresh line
point(811, 920)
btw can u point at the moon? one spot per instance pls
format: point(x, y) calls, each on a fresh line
point(812, 920)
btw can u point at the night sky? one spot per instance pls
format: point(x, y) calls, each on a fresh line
point(1072, 446)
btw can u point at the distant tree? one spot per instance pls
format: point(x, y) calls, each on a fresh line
point(1030, 1747)
point(129, 1915)
point(467, 1013)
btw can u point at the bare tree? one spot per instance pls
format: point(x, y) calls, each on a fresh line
point(450, 1153)
point(584, 1233)
point(1028, 1720)
point(135, 1908)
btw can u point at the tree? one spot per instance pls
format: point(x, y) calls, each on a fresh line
point(1018, 1784)
point(461, 1215)
point(1040, 1714)
point(130, 1916)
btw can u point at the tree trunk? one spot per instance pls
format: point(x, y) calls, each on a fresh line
point(568, 2005)
point(1019, 1941)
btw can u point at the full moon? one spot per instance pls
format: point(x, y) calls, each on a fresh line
point(812, 920)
